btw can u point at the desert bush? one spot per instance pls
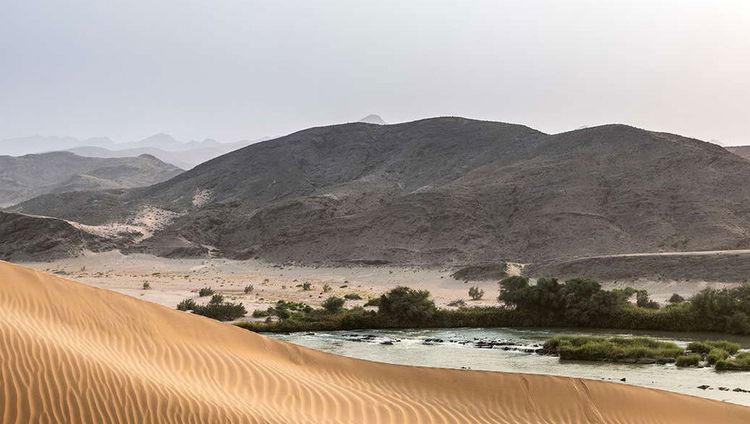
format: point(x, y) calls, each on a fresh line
point(146, 285)
point(249, 289)
point(460, 303)
point(352, 296)
point(333, 304)
point(690, 360)
point(327, 288)
point(373, 301)
point(216, 308)
point(260, 313)
point(306, 286)
point(476, 293)
point(186, 305)
point(642, 300)
point(205, 291)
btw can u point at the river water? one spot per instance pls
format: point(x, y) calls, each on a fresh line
point(457, 348)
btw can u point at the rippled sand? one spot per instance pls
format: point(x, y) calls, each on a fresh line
point(73, 353)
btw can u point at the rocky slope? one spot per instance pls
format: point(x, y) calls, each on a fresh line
point(442, 190)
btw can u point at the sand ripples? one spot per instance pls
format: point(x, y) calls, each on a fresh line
point(71, 353)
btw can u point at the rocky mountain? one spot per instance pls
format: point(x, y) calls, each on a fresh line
point(186, 155)
point(441, 191)
point(24, 177)
point(27, 238)
point(373, 119)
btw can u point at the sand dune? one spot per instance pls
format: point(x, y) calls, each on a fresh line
point(72, 353)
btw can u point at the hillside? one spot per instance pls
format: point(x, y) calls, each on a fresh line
point(741, 151)
point(443, 191)
point(27, 238)
point(73, 353)
point(25, 177)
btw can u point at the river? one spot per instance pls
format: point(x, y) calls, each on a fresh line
point(457, 348)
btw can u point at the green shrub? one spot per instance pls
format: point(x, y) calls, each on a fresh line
point(690, 360)
point(741, 362)
point(699, 347)
point(406, 306)
point(705, 347)
point(249, 289)
point(374, 301)
point(146, 285)
point(475, 293)
point(186, 305)
point(352, 296)
point(216, 308)
point(205, 291)
point(333, 304)
point(260, 313)
point(716, 355)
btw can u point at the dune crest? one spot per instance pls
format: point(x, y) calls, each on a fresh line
point(72, 353)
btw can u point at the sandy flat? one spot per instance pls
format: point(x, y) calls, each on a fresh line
point(172, 280)
point(73, 353)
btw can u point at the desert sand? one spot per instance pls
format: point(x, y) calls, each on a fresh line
point(74, 353)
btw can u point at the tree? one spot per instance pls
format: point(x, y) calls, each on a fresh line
point(333, 304)
point(476, 293)
point(643, 301)
point(405, 305)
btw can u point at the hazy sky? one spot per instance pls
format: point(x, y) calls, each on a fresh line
point(232, 69)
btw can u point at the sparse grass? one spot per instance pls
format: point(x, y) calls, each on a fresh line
point(706, 346)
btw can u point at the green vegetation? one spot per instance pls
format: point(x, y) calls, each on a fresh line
point(706, 346)
point(741, 362)
point(333, 304)
point(575, 303)
point(306, 286)
point(249, 289)
point(716, 355)
point(146, 285)
point(205, 291)
point(373, 301)
point(352, 296)
point(216, 308)
point(327, 288)
point(475, 293)
point(689, 360)
point(612, 349)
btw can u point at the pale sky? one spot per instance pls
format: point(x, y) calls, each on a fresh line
point(233, 69)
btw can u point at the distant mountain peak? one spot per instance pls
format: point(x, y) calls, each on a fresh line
point(373, 119)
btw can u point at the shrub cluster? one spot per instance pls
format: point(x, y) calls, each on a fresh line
point(205, 291)
point(216, 308)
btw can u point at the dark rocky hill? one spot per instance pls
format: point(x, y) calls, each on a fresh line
point(443, 190)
